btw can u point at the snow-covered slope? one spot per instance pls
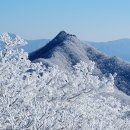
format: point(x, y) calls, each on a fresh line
point(37, 97)
point(119, 48)
point(66, 50)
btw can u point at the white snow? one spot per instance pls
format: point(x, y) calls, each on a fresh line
point(36, 97)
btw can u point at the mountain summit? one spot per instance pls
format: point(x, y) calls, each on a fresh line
point(60, 38)
point(63, 35)
point(65, 50)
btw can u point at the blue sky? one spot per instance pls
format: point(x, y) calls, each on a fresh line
point(97, 20)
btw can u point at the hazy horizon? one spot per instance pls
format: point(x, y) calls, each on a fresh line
point(90, 20)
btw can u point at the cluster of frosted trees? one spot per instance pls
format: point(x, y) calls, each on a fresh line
point(36, 97)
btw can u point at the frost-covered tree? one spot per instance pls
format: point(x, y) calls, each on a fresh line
point(12, 40)
point(34, 97)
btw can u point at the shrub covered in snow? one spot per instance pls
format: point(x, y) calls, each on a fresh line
point(35, 97)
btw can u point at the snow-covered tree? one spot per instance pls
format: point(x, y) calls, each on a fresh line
point(34, 97)
point(12, 40)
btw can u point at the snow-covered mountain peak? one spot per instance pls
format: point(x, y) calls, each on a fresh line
point(64, 46)
point(63, 36)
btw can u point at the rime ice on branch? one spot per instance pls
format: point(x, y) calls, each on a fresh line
point(35, 97)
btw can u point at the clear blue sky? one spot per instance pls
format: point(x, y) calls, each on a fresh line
point(97, 20)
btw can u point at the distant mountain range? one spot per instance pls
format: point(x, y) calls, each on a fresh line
point(119, 48)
